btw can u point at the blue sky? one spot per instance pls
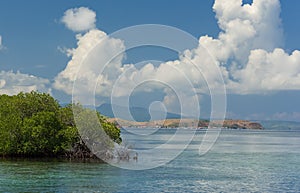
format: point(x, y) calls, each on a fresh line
point(32, 33)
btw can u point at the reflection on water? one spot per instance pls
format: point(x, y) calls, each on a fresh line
point(262, 161)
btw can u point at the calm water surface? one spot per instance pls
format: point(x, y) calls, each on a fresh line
point(241, 161)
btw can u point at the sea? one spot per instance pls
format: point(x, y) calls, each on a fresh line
point(239, 161)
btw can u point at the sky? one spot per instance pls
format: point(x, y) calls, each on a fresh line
point(254, 44)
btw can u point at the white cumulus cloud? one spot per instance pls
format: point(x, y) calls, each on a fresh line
point(248, 51)
point(79, 19)
point(12, 83)
point(88, 64)
point(250, 47)
point(244, 28)
point(269, 71)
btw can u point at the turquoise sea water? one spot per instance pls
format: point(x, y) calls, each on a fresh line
point(240, 161)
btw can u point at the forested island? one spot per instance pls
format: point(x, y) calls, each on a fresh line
point(35, 125)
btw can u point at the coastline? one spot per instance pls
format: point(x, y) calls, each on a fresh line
point(190, 123)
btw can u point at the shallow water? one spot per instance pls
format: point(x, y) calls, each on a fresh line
point(242, 160)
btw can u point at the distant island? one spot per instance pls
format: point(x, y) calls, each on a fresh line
point(175, 123)
point(142, 116)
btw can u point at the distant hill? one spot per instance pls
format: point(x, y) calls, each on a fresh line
point(138, 113)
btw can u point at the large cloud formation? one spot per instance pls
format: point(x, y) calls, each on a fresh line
point(248, 52)
point(250, 47)
point(90, 64)
point(12, 83)
point(79, 19)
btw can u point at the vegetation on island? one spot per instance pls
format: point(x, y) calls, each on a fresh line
point(35, 125)
point(191, 123)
